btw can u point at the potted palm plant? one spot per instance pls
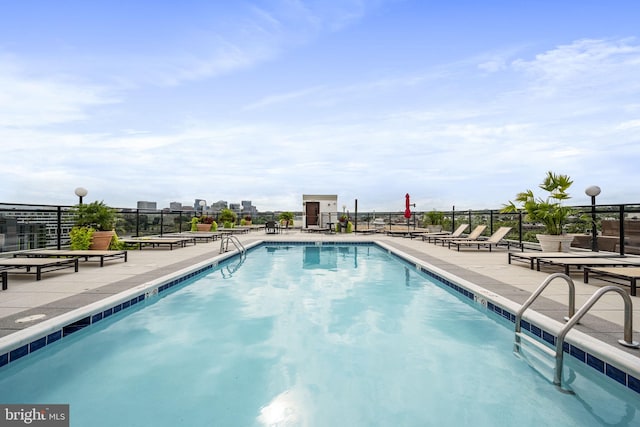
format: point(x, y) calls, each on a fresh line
point(433, 221)
point(548, 211)
point(94, 221)
point(286, 219)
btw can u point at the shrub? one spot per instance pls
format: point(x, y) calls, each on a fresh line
point(349, 227)
point(81, 238)
point(227, 216)
point(96, 215)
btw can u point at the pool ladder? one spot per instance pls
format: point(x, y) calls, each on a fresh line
point(572, 319)
point(224, 244)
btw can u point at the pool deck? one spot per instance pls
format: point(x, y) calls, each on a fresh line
point(27, 301)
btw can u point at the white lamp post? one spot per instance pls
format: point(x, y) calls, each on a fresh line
point(592, 192)
point(81, 192)
point(202, 203)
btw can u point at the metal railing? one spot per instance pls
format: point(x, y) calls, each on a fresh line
point(626, 341)
point(572, 319)
point(224, 244)
point(30, 226)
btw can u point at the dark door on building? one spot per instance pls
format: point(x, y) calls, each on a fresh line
point(312, 210)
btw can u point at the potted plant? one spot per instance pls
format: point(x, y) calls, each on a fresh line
point(344, 224)
point(206, 223)
point(246, 220)
point(228, 217)
point(548, 211)
point(286, 219)
point(97, 220)
point(433, 221)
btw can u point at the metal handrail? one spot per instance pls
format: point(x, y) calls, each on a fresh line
point(536, 294)
point(224, 244)
point(627, 340)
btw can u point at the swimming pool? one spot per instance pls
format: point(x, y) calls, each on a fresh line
point(310, 335)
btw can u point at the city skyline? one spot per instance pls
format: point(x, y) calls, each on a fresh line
point(457, 103)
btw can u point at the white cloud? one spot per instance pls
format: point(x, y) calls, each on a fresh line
point(282, 98)
point(585, 65)
point(473, 131)
point(631, 124)
point(493, 65)
point(29, 100)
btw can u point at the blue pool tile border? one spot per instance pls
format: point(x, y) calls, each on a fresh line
point(576, 352)
point(70, 328)
point(591, 361)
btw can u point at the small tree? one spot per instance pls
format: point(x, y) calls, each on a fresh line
point(433, 218)
point(286, 218)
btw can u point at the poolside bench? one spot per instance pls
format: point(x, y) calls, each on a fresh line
point(318, 229)
point(532, 257)
point(624, 273)
point(198, 236)
point(402, 233)
point(567, 263)
point(160, 241)
point(235, 230)
point(366, 231)
point(83, 254)
point(40, 265)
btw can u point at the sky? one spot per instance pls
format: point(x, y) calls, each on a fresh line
point(458, 103)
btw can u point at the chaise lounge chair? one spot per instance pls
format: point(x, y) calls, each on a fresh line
point(494, 240)
point(456, 233)
point(474, 235)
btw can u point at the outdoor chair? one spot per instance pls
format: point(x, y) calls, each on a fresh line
point(271, 227)
point(493, 240)
point(456, 233)
point(475, 234)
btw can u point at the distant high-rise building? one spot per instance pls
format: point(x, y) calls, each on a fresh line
point(147, 205)
point(248, 208)
point(218, 206)
point(175, 206)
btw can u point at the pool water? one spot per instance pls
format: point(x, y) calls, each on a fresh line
point(306, 336)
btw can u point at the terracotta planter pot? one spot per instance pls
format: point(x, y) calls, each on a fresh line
point(101, 240)
point(203, 227)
